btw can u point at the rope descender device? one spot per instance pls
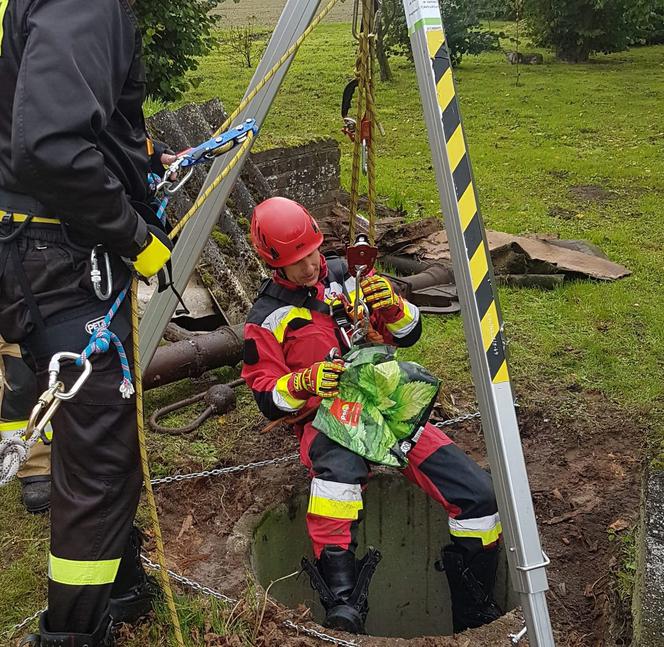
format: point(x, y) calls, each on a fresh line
point(205, 152)
point(49, 401)
point(361, 258)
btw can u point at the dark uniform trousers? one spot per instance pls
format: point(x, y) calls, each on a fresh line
point(96, 476)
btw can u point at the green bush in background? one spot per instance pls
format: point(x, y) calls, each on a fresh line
point(175, 34)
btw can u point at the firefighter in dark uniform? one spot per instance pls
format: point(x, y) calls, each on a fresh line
point(73, 169)
point(290, 332)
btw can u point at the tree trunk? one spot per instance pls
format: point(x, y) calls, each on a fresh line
point(381, 55)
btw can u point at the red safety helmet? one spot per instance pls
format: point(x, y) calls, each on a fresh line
point(284, 232)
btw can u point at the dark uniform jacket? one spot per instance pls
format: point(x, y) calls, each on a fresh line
point(72, 134)
point(280, 338)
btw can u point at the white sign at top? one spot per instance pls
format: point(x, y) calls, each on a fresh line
point(421, 12)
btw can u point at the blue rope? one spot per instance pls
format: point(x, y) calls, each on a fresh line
point(153, 181)
point(100, 342)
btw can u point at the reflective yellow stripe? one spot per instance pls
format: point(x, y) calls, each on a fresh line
point(21, 217)
point(282, 396)
point(280, 318)
point(488, 537)
point(488, 528)
point(334, 499)
point(15, 425)
point(335, 509)
point(408, 318)
point(75, 573)
point(3, 9)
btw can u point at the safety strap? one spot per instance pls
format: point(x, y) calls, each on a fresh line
point(301, 298)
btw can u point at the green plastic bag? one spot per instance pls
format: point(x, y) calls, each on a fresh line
point(381, 402)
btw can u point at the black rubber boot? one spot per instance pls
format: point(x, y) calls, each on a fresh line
point(36, 493)
point(101, 637)
point(134, 590)
point(471, 586)
point(342, 582)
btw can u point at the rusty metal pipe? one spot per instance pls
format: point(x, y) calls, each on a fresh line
point(192, 357)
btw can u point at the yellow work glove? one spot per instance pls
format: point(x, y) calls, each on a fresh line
point(155, 253)
point(321, 379)
point(378, 292)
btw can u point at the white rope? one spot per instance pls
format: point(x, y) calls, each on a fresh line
point(13, 453)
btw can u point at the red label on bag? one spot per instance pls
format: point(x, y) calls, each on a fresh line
point(347, 413)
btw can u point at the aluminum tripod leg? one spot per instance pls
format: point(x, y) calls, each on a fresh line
point(482, 321)
point(295, 18)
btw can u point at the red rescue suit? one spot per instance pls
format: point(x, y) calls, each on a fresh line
point(291, 332)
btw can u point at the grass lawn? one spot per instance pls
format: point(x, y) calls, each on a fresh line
point(564, 126)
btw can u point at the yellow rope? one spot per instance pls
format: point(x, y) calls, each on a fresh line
point(214, 184)
point(289, 52)
point(140, 423)
point(365, 109)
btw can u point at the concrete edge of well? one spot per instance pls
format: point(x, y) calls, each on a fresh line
point(648, 601)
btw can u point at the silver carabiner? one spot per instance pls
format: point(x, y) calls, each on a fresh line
point(360, 326)
point(95, 274)
point(54, 373)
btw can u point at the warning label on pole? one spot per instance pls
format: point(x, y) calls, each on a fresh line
point(421, 14)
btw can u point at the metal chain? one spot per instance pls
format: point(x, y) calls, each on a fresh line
point(320, 635)
point(16, 628)
point(206, 590)
point(454, 421)
point(224, 470)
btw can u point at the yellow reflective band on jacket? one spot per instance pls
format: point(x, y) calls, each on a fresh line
point(488, 529)
point(282, 396)
point(75, 573)
point(336, 500)
point(22, 217)
point(278, 321)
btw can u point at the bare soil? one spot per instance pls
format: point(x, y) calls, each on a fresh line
point(583, 455)
point(265, 13)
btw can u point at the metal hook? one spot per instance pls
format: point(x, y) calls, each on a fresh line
point(95, 274)
point(54, 373)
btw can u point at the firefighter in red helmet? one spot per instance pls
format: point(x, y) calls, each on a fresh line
point(296, 328)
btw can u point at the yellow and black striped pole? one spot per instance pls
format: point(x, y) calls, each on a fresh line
point(482, 318)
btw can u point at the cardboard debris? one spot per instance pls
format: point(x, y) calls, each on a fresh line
point(520, 255)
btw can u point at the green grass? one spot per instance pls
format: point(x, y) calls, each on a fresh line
point(598, 123)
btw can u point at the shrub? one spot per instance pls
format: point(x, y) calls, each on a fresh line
point(175, 34)
point(575, 29)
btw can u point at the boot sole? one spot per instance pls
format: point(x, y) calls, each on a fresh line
point(345, 618)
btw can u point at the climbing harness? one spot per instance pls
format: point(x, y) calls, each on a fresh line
point(219, 398)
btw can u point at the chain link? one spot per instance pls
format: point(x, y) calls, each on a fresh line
point(320, 635)
point(16, 628)
point(224, 470)
point(455, 421)
point(206, 590)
